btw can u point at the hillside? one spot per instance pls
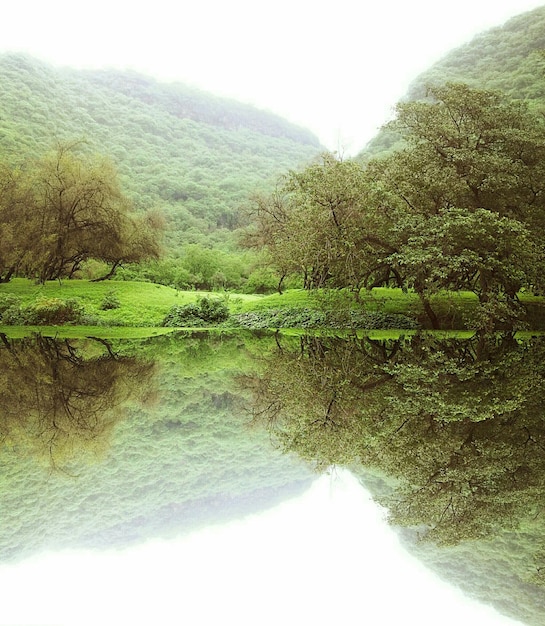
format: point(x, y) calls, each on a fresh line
point(193, 155)
point(509, 58)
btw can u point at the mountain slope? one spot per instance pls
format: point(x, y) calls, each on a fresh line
point(509, 58)
point(194, 155)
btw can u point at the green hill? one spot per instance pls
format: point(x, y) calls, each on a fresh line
point(193, 155)
point(509, 58)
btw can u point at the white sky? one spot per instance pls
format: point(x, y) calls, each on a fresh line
point(324, 558)
point(336, 67)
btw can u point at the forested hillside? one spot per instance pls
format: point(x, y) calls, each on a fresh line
point(192, 155)
point(509, 58)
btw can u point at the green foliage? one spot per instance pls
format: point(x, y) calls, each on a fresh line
point(320, 224)
point(62, 210)
point(197, 267)
point(192, 155)
point(54, 311)
point(313, 318)
point(145, 305)
point(110, 301)
point(8, 301)
point(279, 318)
point(205, 312)
point(262, 280)
point(160, 430)
point(508, 58)
point(453, 428)
point(468, 191)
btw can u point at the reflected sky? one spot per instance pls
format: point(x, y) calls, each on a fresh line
point(326, 557)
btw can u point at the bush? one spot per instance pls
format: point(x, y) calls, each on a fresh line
point(261, 280)
point(204, 312)
point(110, 301)
point(52, 311)
point(8, 302)
point(13, 316)
point(309, 318)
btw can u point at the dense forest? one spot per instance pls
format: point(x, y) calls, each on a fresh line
point(509, 58)
point(193, 157)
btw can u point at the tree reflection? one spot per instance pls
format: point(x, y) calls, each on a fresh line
point(456, 426)
point(60, 405)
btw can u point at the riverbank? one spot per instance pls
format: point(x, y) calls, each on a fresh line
point(141, 307)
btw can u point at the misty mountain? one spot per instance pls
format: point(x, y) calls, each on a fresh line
point(194, 155)
point(509, 58)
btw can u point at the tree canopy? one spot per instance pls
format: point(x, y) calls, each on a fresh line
point(63, 209)
point(321, 223)
point(456, 425)
point(460, 207)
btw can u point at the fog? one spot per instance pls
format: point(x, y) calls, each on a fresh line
point(335, 68)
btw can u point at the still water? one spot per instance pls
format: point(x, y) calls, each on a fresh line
point(262, 480)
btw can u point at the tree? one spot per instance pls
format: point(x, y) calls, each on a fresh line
point(319, 224)
point(456, 425)
point(65, 209)
point(65, 403)
point(16, 214)
point(469, 194)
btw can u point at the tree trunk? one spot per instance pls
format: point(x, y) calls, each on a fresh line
point(109, 274)
point(429, 311)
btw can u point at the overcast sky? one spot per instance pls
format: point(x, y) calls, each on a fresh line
point(336, 67)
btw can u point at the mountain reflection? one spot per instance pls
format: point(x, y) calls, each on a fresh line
point(108, 444)
point(447, 434)
point(454, 428)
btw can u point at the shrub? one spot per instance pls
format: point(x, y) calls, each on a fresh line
point(8, 302)
point(309, 318)
point(110, 301)
point(204, 312)
point(13, 316)
point(53, 311)
point(261, 280)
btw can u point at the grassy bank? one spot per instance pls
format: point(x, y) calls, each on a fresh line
point(117, 306)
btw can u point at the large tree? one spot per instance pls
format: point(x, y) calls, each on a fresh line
point(321, 224)
point(64, 209)
point(460, 207)
point(469, 193)
point(456, 425)
point(65, 403)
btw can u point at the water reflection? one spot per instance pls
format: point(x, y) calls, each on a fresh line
point(60, 401)
point(453, 431)
point(111, 445)
point(108, 444)
point(323, 558)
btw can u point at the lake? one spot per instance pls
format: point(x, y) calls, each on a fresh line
point(200, 478)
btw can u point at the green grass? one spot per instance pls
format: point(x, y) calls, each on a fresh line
point(143, 305)
point(291, 298)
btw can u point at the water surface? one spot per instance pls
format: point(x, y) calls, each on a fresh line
point(200, 479)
